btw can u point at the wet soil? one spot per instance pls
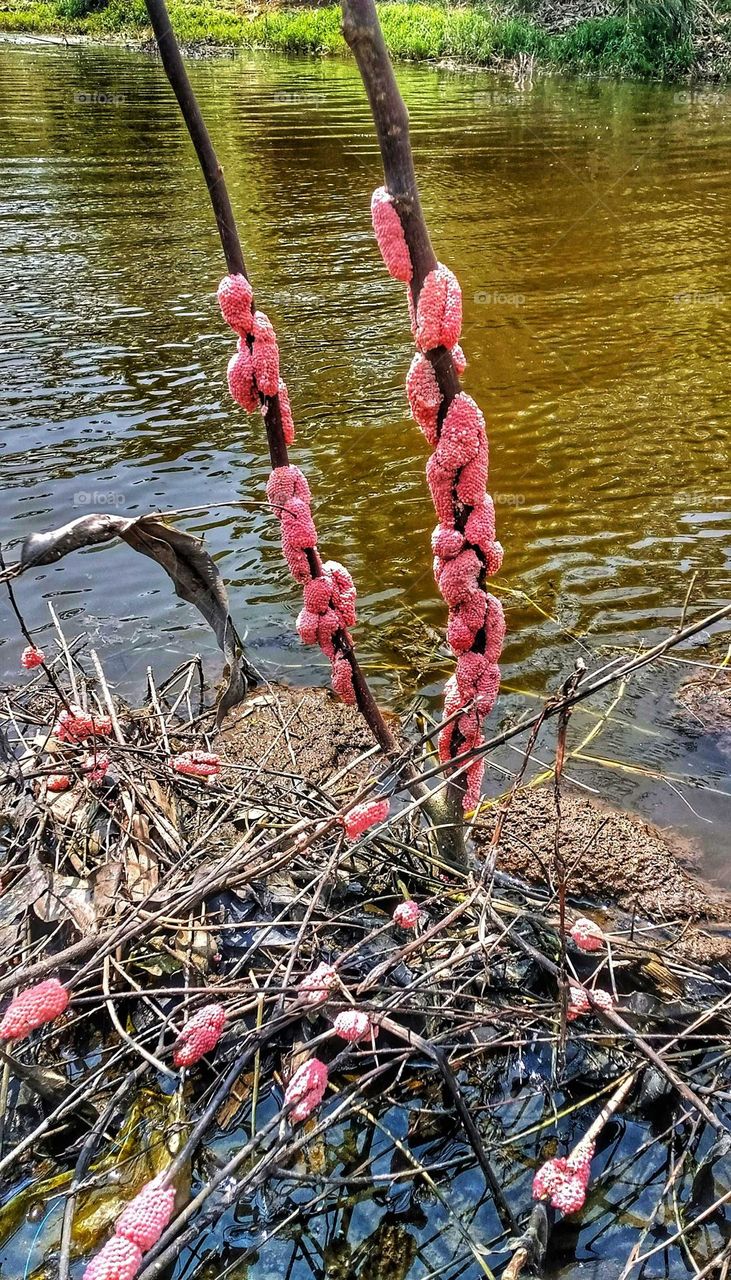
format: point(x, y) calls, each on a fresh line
point(616, 858)
point(305, 732)
point(704, 703)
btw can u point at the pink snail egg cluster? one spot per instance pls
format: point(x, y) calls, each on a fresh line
point(587, 935)
point(146, 1217)
point(196, 764)
point(390, 236)
point(306, 1089)
point(120, 1259)
point(578, 1003)
point(75, 725)
point(31, 657)
point(58, 782)
point(329, 603)
point(466, 550)
point(462, 435)
point(316, 987)
point(564, 1180)
point(603, 1000)
point(285, 410)
point(569, 1196)
point(353, 1025)
point(406, 914)
point(439, 310)
point(265, 355)
point(582, 1002)
point(579, 1162)
point(253, 377)
point(200, 1035)
point(285, 483)
point(32, 1008)
point(253, 370)
point(235, 298)
point(95, 767)
point(424, 396)
point(365, 815)
point(240, 377)
point(341, 679)
point(137, 1229)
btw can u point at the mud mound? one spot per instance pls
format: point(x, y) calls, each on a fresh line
point(704, 703)
point(615, 857)
point(304, 732)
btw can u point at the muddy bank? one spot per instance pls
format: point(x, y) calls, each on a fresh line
point(304, 732)
point(616, 858)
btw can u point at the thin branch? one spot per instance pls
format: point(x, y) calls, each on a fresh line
point(363, 34)
point(213, 173)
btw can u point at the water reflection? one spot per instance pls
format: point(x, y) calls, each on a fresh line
point(587, 223)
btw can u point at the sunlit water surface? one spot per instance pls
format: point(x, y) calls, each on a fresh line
point(588, 224)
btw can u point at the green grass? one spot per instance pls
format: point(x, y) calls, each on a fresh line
point(652, 38)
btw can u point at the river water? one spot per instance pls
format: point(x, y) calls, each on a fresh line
point(588, 224)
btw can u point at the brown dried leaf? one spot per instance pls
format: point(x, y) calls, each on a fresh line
point(24, 892)
point(141, 865)
point(50, 1085)
point(106, 880)
point(197, 580)
point(10, 935)
point(162, 798)
point(198, 947)
point(237, 1099)
point(68, 898)
point(316, 1155)
point(666, 981)
point(202, 873)
point(87, 531)
point(298, 1055)
point(64, 804)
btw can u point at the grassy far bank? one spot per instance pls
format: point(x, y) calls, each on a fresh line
point(655, 39)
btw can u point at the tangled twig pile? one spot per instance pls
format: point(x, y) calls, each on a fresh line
point(247, 948)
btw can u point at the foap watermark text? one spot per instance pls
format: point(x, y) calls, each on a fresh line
point(94, 498)
point(96, 99)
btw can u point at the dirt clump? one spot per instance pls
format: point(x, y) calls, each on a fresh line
point(300, 731)
point(613, 857)
point(704, 703)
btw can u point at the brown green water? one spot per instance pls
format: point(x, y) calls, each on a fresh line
point(588, 224)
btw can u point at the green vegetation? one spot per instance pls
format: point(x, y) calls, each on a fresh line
point(649, 39)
